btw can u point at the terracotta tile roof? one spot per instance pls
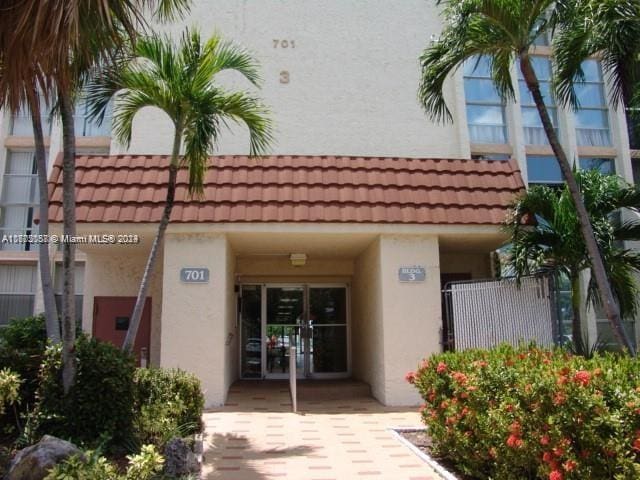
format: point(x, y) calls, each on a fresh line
point(128, 188)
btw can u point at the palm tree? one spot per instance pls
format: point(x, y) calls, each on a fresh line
point(66, 39)
point(504, 31)
point(180, 80)
point(554, 244)
point(18, 96)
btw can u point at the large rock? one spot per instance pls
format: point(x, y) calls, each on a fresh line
point(34, 462)
point(179, 459)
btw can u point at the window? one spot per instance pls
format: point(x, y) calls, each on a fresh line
point(86, 128)
point(543, 169)
point(542, 40)
point(606, 166)
point(490, 156)
point(17, 291)
point(19, 198)
point(485, 108)
point(534, 133)
point(21, 124)
point(592, 118)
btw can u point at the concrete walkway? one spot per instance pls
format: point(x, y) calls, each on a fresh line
point(255, 436)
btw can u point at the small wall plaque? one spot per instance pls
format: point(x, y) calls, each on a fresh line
point(412, 274)
point(194, 275)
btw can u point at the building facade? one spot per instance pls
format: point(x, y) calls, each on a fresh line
point(307, 247)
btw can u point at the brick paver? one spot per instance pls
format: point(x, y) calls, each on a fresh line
point(255, 436)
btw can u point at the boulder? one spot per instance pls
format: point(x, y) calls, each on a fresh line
point(179, 459)
point(34, 462)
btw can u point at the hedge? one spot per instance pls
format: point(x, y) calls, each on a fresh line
point(530, 413)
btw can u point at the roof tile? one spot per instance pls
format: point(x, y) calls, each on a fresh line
point(132, 188)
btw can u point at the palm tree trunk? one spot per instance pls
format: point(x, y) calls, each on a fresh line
point(68, 248)
point(136, 316)
point(610, 306)
point(50, 311)
point(579, 344)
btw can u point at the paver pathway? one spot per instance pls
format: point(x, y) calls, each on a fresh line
point(255, 436)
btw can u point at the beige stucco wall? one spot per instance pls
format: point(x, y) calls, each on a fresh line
point(117, 271)
point(367, 328)
point(477, 264)
point(351, 89)
point(196, 317)
point(412, 312)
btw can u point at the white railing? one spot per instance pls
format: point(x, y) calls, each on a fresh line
point(293, 378)
point(483, 314)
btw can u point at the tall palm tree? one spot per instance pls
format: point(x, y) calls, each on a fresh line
point(555, 244)
point(504, 31)
point(180, 81)
point(66, 38)
point(25, 94)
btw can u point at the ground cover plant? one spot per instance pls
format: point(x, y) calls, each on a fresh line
point(531, 413)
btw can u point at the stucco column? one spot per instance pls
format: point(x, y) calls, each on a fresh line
point(195, 315)
point(412, 312)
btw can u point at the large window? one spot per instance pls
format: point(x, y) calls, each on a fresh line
point(543, 169)
point(21, 124)
point(605, 165)
point(86, 128)
point(485, 109)
point(534, 133)
point(592, 118)
point(17, 291)
point(19, 198)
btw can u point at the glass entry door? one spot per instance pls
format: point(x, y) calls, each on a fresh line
point(312, 318)
point(285, 328)
point(327, 331)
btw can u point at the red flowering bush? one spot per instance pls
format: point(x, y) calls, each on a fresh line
point(529, 413)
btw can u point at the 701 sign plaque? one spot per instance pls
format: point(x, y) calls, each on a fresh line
point(194, 275)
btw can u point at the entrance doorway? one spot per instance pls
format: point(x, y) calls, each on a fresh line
point(313, 318)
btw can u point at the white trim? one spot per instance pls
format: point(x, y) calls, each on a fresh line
point(428, 459)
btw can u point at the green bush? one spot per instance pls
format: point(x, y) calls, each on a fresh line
point(99, 406)
point(168, 403)
point(9, 388)
point(22, 345)
point(529, 413)
point(143, 466)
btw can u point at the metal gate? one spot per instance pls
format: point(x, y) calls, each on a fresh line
point(486, 313)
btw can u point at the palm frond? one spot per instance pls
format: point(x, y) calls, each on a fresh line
point(244, 108)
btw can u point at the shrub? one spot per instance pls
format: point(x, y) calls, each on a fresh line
point(528, 413)
point(22, 345)
point(168, 403)
point(99, 406)
point(9, 388)
point(143, 466)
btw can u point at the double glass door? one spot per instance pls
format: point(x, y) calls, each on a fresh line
point(311, 318)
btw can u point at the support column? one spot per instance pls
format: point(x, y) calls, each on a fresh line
point(412, 312)
point(195, 315)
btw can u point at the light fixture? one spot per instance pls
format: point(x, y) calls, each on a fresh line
point(298, 259)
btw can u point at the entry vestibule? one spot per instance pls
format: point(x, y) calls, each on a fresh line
point(313, 318)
